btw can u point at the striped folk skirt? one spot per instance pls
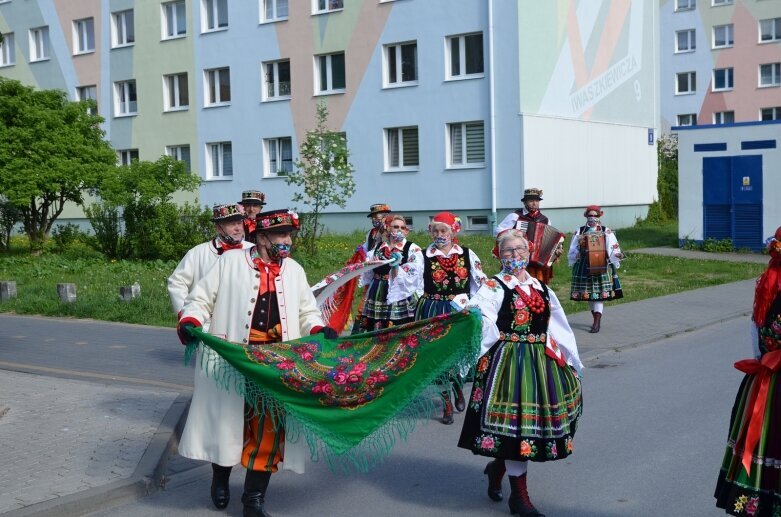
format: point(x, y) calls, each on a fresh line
point(756, 493)
point(378, 314)
point(523, 405)
point(594, 288)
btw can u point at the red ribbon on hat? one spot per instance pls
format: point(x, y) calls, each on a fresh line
point(763, 369)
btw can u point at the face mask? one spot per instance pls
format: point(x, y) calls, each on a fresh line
point(278, 251)
point(397, 236)
point(227, 239)
point(441, 242)
point(592, 220)
point(513, 265)
point(377, 223)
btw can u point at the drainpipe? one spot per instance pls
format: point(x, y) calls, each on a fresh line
point(492, 109)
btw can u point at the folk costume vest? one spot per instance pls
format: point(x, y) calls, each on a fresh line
point(446, 277)
point(539, 218)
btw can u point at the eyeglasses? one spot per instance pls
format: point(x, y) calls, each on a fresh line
point(397, 227)
point(510, 252)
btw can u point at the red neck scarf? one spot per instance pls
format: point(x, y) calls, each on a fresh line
point(268, 272)
point(223, 246)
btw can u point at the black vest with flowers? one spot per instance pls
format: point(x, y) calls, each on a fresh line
point(446, 277)
point(385, 270)
point(515, 318)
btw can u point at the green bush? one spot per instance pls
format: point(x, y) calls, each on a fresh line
point(65, 235)
point(716, 245)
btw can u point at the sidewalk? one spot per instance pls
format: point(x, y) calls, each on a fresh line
point(71, 447)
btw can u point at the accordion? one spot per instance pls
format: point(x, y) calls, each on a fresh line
point(593, 246)
point(544, 238)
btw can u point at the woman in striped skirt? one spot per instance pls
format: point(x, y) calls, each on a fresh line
point(526, 398)
point(448, 275)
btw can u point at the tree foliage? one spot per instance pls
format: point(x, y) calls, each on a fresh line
point(10, 215)
point(51, 152)
point(665, 207)
point(324, 174)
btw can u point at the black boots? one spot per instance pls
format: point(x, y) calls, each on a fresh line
point(447, 415)
point(255, 485)
point(460, 400)
point(519, 498)
point(597, 321)
point(495, 471)
point(221, 494)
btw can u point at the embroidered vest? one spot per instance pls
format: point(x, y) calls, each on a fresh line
point(373, 241)
point(526, 217)
point(384, 270)
point(515, 318)
point(447, 279)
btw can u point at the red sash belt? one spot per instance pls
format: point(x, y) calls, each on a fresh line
point(763, 369)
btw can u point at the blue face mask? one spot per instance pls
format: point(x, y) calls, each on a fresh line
point(279, 251)
point(513, 265)
point(441, 242)
point(377, 223)
point(592, 221)
point(397, 236)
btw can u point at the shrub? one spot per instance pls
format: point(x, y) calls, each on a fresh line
point(106, 224)
point(65, 235)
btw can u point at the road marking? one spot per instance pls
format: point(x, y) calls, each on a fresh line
point(118, 346)
point(81, 343)
point(18, 337)
point(30, 368)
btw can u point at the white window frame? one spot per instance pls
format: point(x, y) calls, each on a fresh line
point(729, 79)
point(176, 152)
point(687, 119)
point(729, 36)
point(719, 116)
point(328, 6)
point(692, 84)
point(39, 44)
point(478, 226)
point(82, 30)
point(119, 29)
point(215, 14)
point(775, 113)
point(716, 3)
point(462, 73)
point(690, 4)
point(277, 94)
point(170, 15)
point(691, 40)
point(775, 75)
point(211, 83)
point(172, 90)
point(399, 137)
point(82, 93)
point(215, 164)
point(464, 163)
point(272, 6)
point(122, 94)
point(273, 147)
point(397, 61)
point(775, 30)
point(126, 156)
point(8, 50)
point(330, 90)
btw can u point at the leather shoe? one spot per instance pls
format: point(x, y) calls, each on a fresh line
point(253, 504)
point(220, 490)
point(460, 401)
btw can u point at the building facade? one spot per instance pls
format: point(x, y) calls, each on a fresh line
point(721, 61)
point(446, 104)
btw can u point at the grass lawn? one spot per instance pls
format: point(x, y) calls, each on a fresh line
point(98, 280)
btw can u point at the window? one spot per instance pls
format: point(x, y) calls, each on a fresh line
point(174, 19)
point(465, 55)
point(401, 64)
point(126, 156)
point(466, 144)
point(273, 10)
point(770, 74)
point(685, 41)
point(7, 50)
point(407, 220)
point(723, 36)
point(84, 36)
point(123, 28)
point(685, 5)
point(218, 90)
point(770, 113)
point(181, 153)
point(176, 92)
point(690, 119)
point(276, 80)
point(770, 30)
point(219, 160)
point(330, 73)
point(215, 15)
point(722, 2)
point(84, 93)
point(39, 44)
point(125, 100)
point(401, 148)
point(325, 6)
point(685, 82)
point(279, 156)
point(724, 117)
point(478, 222)
point(723, 79)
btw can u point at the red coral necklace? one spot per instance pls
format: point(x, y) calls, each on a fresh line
point(448, 263)
point(533, 301)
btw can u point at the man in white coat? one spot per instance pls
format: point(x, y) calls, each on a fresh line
point(257, 296)
point(229, 224)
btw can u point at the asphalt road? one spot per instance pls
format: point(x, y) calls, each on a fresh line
point(650, 443)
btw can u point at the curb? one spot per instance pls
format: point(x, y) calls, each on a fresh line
point(148, 477)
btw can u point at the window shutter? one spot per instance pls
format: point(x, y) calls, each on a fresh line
point(227, 159)
point(475, 142)
point(410, 142)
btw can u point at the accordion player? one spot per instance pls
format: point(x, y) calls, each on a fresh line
point(546, 247)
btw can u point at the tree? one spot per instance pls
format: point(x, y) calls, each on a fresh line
point(325, 174)
point(51, 151)
point(9, 216)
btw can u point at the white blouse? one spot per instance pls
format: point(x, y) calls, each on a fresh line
point(611, 245)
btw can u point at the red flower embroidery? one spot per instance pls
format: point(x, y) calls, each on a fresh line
point(287, 364)
point(462, 272)
point(439, 275)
